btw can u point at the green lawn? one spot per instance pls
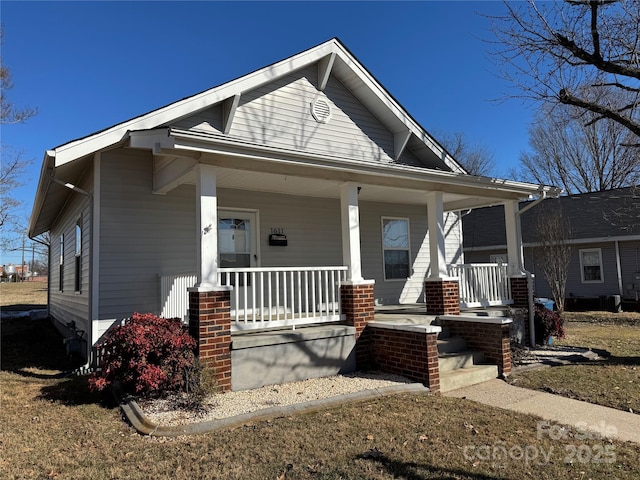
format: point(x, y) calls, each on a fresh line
point(614, 382)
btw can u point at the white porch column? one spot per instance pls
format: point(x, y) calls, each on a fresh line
point(435, 222)
point(206, 226)
point(515, 255)
point(350, 214)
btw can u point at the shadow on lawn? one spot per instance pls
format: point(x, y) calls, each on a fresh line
point(411, 470)
point(34, 349)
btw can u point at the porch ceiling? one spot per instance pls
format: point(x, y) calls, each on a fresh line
point(328, 188)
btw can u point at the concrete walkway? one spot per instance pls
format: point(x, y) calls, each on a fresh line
point(582, 416)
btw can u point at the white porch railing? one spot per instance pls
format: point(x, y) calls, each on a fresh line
point(265, 297)
point(284, 296)
point(482, 284)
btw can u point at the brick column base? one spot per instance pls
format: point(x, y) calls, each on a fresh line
point(520, 296)
point(357, 303)
point(210, 325)
point(442, 297)
point(492, 339)
point(520, 292)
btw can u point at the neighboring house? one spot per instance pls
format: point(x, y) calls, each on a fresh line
point(274, 193)
point(605, 235)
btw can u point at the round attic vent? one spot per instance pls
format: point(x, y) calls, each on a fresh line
point(321, 110)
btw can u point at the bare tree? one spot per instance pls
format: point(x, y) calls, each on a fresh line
point(12, 164)
point(476, 159)
point(583, 53)
point(571, 150)
point(554, 253)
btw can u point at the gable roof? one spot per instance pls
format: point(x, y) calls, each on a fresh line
point(596, 216)
point(332, 58)
point(436, 169)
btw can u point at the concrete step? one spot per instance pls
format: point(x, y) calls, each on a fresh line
point(451, 345)
point(485, 312)
point(463, 377)
point(453, 361)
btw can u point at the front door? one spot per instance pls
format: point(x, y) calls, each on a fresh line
point(238, 248)
point(237, 239)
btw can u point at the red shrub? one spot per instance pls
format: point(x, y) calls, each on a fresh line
point(547, 323)
point(146, 355)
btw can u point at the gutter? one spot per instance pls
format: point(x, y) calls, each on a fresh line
point(225, 146)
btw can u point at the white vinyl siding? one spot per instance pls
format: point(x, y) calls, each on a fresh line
point(412, 289)
point(142, 235)
point(67, 305)
point(279, 115)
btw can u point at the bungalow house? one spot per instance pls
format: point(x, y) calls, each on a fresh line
point(605, 235)
point(284, 205)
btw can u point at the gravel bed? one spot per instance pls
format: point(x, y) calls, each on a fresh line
point(173, 410)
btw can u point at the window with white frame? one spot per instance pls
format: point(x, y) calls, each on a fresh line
point(395, 246)
point(61, 264)
point(78, 257)
point(591, 265)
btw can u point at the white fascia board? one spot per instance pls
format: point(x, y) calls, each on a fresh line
point(44, 182)
point(209, 143)
point(101, 140)
point(396, 109)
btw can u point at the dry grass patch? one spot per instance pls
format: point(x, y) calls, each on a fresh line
point(53, 427)
point(23, 295)
point(612, 382)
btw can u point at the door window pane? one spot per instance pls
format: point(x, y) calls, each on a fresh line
point(234, 248)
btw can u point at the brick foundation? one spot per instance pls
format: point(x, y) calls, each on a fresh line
point(442, 297)
point(357, 304)
point(411, 354)
point(210, 325)
point(492, 339)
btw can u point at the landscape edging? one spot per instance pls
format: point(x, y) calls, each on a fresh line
point(145, 426)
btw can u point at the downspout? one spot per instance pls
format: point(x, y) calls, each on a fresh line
point(619, 269)
point(79, 190)
point(530, 276)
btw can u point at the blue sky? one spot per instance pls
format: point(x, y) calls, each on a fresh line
point(89, 65)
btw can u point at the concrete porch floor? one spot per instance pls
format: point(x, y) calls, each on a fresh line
point(415, 313)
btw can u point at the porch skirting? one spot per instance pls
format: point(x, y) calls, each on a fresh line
point(271, 358)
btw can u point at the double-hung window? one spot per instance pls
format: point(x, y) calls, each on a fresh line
point(78, 259)
point(395, 246)
point(591, 265)
point(61, 264)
